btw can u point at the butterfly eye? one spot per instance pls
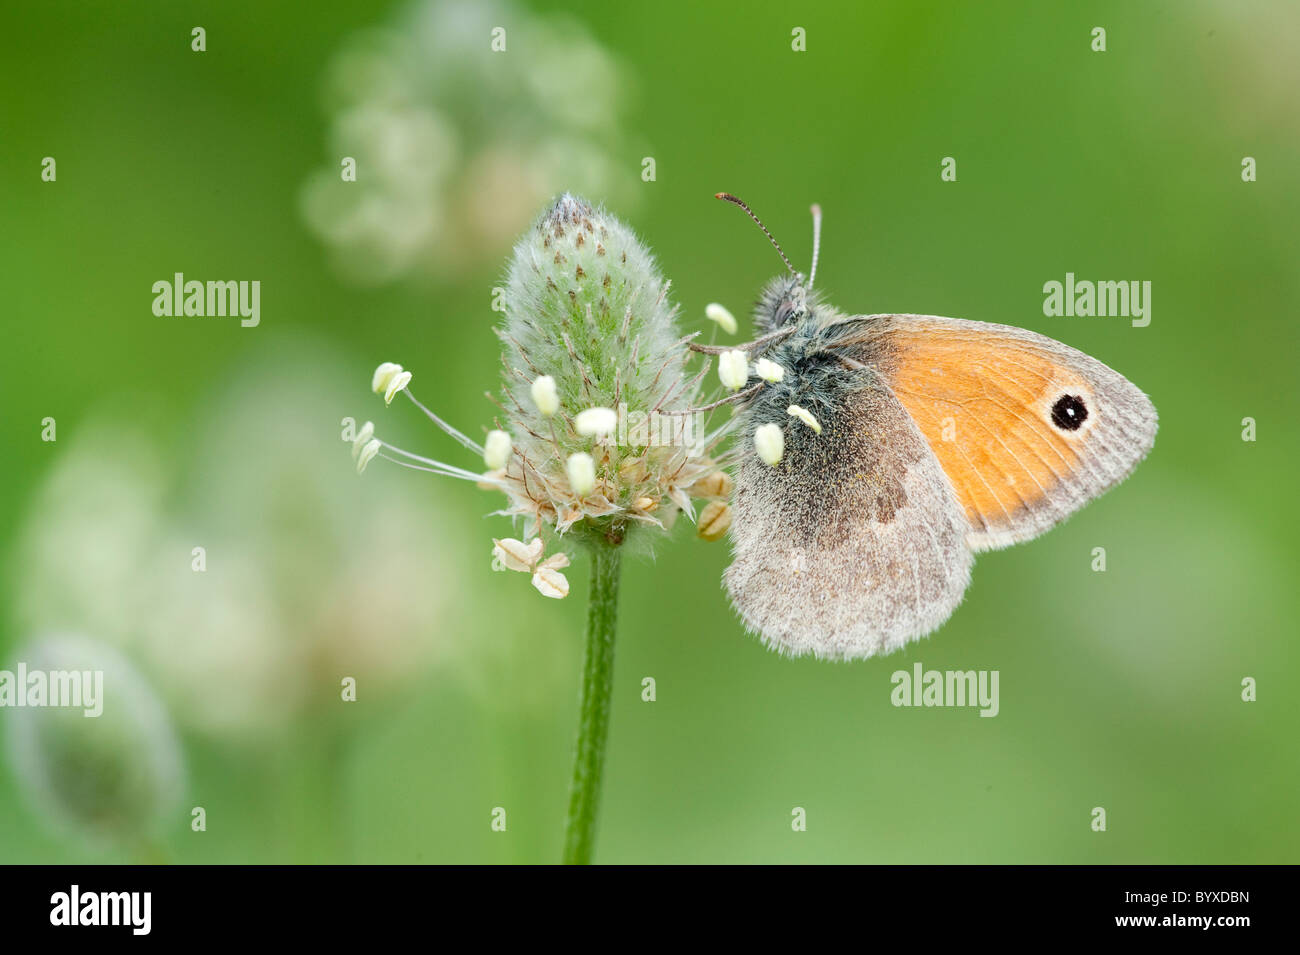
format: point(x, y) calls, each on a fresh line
point(1069, 413)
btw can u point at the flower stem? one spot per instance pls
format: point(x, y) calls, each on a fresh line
point(593, 718)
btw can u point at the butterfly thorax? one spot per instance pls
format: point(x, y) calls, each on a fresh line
point(817, 374)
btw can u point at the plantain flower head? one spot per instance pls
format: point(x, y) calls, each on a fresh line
point(600, 435)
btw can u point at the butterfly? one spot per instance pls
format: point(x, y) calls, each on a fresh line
point(907, 444)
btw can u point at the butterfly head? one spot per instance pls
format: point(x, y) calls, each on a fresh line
point(784, 301)
point(787, 299)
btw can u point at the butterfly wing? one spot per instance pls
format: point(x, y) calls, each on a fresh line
point(854, 543)
point(1026, 429)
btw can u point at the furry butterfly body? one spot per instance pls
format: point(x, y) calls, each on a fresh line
point(938, 438)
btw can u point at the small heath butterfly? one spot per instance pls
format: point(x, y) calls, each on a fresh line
point(906, 444)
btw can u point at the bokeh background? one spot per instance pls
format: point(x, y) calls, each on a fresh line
point(1119, 689)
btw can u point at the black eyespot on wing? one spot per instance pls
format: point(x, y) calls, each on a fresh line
point(1069, 413)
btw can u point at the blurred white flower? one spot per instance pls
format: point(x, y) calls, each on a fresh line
point(309, 576)
point(455, 145)
point(114, 779)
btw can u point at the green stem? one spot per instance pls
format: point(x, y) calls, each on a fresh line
point(593, 719)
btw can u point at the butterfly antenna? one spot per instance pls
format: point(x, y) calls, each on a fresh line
point(728, 197)
point(817, 241)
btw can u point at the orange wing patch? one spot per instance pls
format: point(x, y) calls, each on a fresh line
point(983, 402)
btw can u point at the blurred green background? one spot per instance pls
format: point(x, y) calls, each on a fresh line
point(1119, 689)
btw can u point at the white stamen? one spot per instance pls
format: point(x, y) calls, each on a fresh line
point(367, 453)
point(545, 396)
point(596, 422)
point(717, 313)
point(496, 450)
point(383, 375)
point(768, 370)
point(733, 369)
point(581, 470)
point(770, 444)
point(806, 416)
point(363, 438)
point(396, 383)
